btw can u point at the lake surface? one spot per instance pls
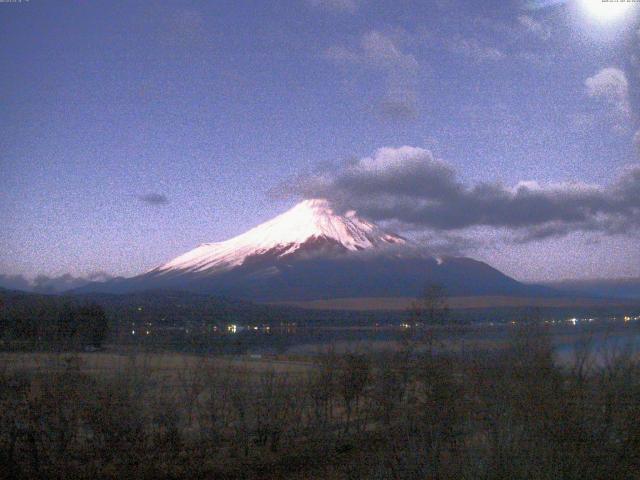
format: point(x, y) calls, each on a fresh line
point(603, 340)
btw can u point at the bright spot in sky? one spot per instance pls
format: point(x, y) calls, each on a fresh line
point(608, 10)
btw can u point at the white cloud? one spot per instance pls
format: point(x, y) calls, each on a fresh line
point(583, 122)
point(610, 83)
point(518, 35)
point(636, 142)
point(376, 49)
point(635, 55)
point(534, 27)
point(339, 6)
point(384, 52)
point(475, 50)
point(610, 86)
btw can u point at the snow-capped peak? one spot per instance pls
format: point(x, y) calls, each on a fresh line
point(287, 233)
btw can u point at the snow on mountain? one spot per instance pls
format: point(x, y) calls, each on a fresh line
point(311, 252)
point(310, 224)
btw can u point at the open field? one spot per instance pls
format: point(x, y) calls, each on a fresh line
point(96, 363)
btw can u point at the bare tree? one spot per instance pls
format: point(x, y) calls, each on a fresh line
point(429, 312)
point(353, 376)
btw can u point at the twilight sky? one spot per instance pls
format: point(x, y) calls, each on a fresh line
point(508, 131)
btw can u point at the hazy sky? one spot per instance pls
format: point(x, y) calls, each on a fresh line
point(133, 131)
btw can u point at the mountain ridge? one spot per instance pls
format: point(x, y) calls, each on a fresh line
point(310, 252)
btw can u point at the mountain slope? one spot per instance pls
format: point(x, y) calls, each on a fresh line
point(311, 252)
point(310, 225)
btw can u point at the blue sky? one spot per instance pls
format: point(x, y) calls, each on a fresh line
point(133, 131)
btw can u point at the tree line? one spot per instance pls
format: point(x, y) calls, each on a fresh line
point(53, 324)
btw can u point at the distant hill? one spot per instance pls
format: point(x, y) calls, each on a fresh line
point(624, 288)
point(476, 303)
point(177, 307)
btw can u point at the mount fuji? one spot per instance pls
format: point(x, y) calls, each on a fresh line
point(313, 253)
point(311, 227)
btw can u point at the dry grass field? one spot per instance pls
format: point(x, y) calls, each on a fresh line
point(165, 366)
point(407, 412)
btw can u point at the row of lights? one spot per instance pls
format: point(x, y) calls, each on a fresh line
point(234, 328)
point(146, 332)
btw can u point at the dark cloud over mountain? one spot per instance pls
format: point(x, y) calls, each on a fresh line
point(411, 186)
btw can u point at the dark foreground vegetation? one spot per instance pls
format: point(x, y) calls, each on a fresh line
point(408, 414)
